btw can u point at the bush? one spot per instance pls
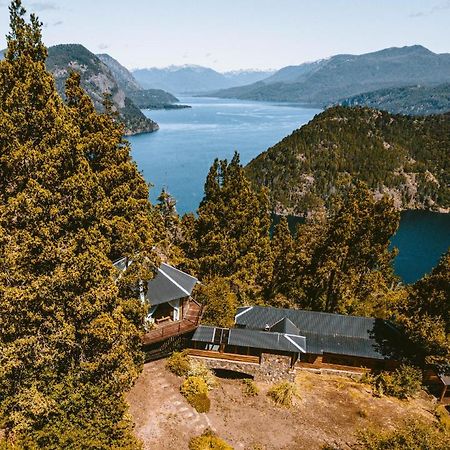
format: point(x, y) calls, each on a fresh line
point(208, 441)
point(283, 393)
point(249, 387)
point(404, 382)
point(179, 363)
point(195, 390)
point(198, 369)
point(443, 417)
point(411, 436)
point(200, 402)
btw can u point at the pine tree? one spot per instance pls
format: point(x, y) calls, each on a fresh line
point(69, 334)
point(282, 247)
point(169, 230)
point(232, 230)
point(344, 264)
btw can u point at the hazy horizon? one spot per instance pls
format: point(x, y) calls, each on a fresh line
point(235, 35)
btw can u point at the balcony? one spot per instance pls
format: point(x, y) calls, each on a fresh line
point(166, 330)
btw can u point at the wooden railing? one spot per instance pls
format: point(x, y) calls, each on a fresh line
point(167, 330)
point(220, 355)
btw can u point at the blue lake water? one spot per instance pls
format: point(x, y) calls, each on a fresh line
point(179, 155)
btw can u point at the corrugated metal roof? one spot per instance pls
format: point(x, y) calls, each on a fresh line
point(285, 326)
point(168, 284)
point(324, 332)
point(252, 338)
point(307, 321)
point(204, 334)
point(266, 340)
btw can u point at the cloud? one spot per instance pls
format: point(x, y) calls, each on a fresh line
point(102, 46)
point(433, 10)
point(57, 23)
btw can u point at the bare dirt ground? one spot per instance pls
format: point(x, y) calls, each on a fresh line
point(329, 411)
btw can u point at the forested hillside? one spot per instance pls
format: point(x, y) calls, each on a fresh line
point(96, 79)
point(407, 158)
point(412, 100)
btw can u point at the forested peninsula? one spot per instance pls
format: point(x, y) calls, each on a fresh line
point(405, 157)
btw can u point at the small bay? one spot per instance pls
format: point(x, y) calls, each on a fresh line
point(178, 156)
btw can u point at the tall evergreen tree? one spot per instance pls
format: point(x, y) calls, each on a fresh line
point(344, 264)
point(282, 246)
point(232, 230)
point(69, 334)
point(169, 230)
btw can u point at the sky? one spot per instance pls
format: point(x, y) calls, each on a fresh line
point(238, 34)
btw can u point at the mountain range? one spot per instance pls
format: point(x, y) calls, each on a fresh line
point(405, 157)
point(195, 79)
point(333, 80)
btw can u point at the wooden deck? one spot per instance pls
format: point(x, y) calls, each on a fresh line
point(190, 322)
point(219, 355)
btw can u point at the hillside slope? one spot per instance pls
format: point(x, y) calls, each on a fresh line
point(327, 81)
point(407, 158)
point(96, 78)
point(142, 98)
point(412, 100)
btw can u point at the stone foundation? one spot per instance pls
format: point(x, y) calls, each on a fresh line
point(272, 368)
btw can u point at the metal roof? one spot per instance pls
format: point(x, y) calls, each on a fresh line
point(251, 338)
point(204, 334)
point(324, 332)
point(168, 284)
point(284, 325)
point(258, 317)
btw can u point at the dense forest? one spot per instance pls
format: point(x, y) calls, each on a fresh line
point(72, 201)
point(411, 100)
point(405, 157)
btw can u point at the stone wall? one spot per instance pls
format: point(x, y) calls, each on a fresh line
point(272, 368)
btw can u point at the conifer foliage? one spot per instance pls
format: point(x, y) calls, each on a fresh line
point(71, 200)
point(341, 263)
point(232, 231)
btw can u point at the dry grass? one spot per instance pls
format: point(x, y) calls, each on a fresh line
point(331, 409)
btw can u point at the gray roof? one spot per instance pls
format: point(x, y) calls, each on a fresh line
point(168, 284)
point(284, 325)
point(251, 338)
point(324, 332)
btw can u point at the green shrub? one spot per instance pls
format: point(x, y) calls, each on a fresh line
point(208, 441)
point(200, 402)
point(198, 369)
point(410, 436)
point(404, 382)
point(283, 393)
point(249, 387)
point(179, 363)
point(195, 390)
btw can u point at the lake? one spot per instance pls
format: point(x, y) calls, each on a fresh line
point(178, 157)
